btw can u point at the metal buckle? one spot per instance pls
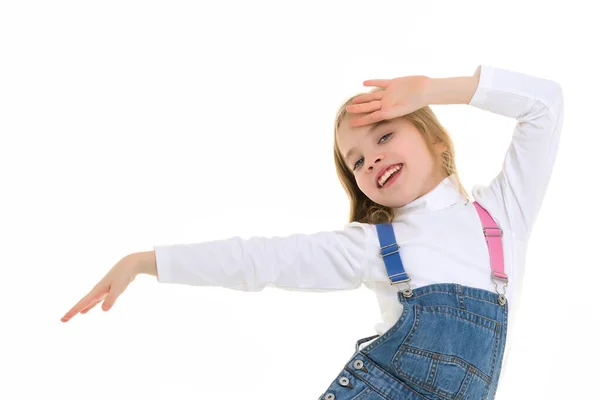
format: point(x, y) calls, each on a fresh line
point(501, 296)
point(493, 234)
point(390, 253)
point(406, 292)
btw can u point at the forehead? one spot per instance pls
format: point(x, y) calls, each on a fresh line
point(348, 136)
point(348, 132)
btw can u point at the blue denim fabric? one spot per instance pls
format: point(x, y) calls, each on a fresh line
point(447, 344)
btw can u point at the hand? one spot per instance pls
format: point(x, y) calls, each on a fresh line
point(109, 288)
point(400, 96)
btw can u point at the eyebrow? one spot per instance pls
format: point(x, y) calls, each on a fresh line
point(369, 132)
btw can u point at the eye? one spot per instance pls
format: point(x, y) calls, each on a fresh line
point(385, 136)
point(356, 165)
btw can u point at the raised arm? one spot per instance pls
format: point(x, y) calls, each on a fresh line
point(536, 104)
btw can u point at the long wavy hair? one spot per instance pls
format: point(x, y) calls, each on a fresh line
point(363, 209)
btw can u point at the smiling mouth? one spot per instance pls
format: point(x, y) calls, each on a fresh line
point(391, 177)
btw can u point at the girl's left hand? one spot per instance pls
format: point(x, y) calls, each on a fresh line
point(400, 96)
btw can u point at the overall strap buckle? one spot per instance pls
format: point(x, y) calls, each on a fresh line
point(390, 252)
point(493, 236)
point(504, 280)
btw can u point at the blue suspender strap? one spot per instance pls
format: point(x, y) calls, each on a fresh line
point(390, 252)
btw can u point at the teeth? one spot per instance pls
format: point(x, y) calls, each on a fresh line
point(387, 174)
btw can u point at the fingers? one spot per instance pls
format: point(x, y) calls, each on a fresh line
point(115, 291)
point(96, 296)
point(364, 108)
point(380, 115)
point(93, 296)
point(382, 83)
point(368, 119)
point(107, 290)
point(88, 308)
point(374, 117)
point(367, 97)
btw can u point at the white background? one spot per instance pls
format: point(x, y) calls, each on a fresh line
point(130, 124)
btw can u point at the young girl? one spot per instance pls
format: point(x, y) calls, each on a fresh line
point(439, 264)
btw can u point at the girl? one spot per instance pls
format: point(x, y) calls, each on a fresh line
point(445, 318)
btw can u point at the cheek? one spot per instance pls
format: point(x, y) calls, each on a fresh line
point(417, 154)
point(421, 161)
point(363, 183)
point(360, 181)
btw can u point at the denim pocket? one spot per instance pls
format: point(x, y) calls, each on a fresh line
point(449, 351)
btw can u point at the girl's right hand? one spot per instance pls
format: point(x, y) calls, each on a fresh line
point(109, 288)
point(399, 97)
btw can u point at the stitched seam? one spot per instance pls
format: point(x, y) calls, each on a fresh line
point(435, 309)
point(504, 333)
point(362, 394)
point(499, 337)
point(433, 369)
point(449, 359)
point(495, 353)
point(479, 298)
point(425, 386)
point(464, 386)
point(386, 374)
point(442, 357)
point(382, 339)
point(369, 386)
point(451, 292)
point(416, 323)
point(434, 389)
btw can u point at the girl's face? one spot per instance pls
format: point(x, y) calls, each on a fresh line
point(369, 151)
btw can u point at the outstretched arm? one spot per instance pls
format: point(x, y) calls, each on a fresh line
point(323, 261)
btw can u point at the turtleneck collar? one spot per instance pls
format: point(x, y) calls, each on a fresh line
point(444, 195)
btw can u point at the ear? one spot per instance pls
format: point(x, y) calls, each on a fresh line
point(440, 147)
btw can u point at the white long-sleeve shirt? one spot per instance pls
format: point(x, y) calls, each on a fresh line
point(439, 234)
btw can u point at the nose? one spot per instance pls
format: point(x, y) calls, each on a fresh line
point(376, 160)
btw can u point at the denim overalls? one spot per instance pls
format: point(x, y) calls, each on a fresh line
point(447, 344)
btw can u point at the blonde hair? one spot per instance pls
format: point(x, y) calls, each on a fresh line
point(363, 209)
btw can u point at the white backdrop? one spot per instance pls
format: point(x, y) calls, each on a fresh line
point(128, 124)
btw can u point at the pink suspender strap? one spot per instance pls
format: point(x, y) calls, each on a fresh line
point(494, 242)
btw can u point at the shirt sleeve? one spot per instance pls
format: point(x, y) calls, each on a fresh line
point(515, 195)
point(323, 261)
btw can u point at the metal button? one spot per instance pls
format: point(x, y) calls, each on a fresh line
point(329, 396)
point(345, 382)
point(358, 364)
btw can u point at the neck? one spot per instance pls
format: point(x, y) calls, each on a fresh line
point(434, 182)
